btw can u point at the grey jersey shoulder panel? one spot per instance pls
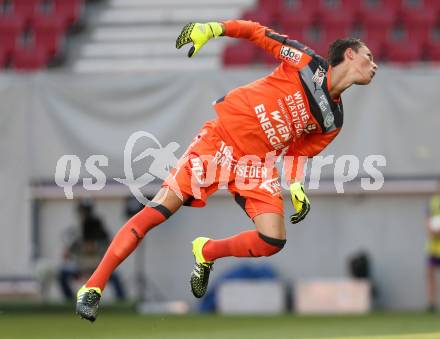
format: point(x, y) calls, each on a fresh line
point(314, 79)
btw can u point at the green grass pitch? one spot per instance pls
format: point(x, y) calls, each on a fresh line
point(129, 325)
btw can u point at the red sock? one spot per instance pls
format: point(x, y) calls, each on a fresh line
point(245, 244)
point(125, 241)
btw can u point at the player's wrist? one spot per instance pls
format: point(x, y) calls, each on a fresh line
point(216, 28)
point(295, 185)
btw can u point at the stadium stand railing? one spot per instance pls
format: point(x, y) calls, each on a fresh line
point(139, 35)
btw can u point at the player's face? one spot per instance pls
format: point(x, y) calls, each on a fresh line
point(363, 65)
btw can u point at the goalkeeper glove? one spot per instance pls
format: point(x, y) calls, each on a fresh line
point(198, 34)
point(300, 202)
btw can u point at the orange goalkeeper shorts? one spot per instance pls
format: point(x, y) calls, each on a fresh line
point(210, 164)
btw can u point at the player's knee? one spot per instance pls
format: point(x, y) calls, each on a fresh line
point(270, 246)
point(148, 218)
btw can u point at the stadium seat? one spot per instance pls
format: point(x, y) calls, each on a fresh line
point(272, 7)
point(258, 15)
point(242, 53)
point(419, 22)
point(352, 6)
point(3, 58)
point(29, 59)
point(433, 5)
point(403, 51)
point(298, 6)
point(11, 27)
point(393, 5)
point(432, 51)
point(317, 41)
point(378, 24)
point(295, 25)
point(48, 33)
point(26, 8)
point(337, 24)
point(2, 6)
point(69, 10)
point(349, 7)
point(320, 48)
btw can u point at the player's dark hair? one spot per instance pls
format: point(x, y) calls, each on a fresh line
point(338, 47)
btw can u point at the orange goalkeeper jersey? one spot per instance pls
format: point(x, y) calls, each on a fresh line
point(289, 111)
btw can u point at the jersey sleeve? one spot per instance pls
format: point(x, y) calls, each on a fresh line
point(289, 51)
point(308, 147)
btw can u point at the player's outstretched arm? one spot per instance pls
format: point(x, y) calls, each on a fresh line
point(278, 45)
point(198, 34)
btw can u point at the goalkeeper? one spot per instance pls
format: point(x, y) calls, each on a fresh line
point(295, 111)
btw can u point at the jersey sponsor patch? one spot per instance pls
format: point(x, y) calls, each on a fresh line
point(319, 75)
point(273, 186)
point(197, 169)
point(310, 128)
point(290, 54)
point(329, 120)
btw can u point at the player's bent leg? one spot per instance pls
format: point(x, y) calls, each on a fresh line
point(271, 225)
point(168, 198)
point(269, 238)
point(124, 243)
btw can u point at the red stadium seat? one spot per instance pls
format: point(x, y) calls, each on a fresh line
point(419, 22)
point(378, 6)
point(350, 7)
point(297, 7)
point(320, 47)
point(432, 51)
point(29, 59)
point(378, 24)
point(3, 58)
point(11, 28)
point(295, 25)
point(26, 8)
point(433, 5)
point(403, 51)
point(48, 33)
point(69, 10)
point(258, 15)
point(317, 41)
point(337, 24)
point(272, 7)
point(242, 53)
point(393, 5)
point(300, 6)
point(2, 6)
